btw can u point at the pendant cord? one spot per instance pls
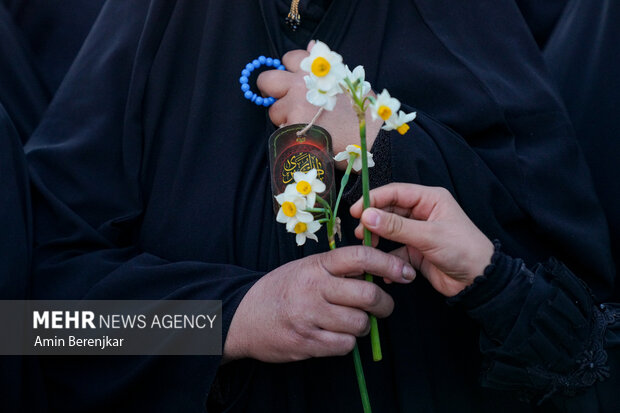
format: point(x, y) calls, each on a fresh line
point(294, 18)
point(309, 125)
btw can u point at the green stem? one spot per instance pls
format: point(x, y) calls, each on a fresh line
point(343, 183)
point(315, 210)
point(357, 360)
point(374, 327)
point(361, 380)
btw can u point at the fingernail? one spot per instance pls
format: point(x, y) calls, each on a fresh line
point(408, 272)
point(371, 218)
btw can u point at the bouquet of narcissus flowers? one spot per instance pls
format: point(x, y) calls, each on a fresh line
point(301, 209)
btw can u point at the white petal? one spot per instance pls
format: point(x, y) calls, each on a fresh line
point(313, 227)
point(371, 162)
point(341, 156)
point(281, 218)
point(290, 225)
point(354, 149)
point(326, 82)
point(300, 203)
point(300, 239)
point(290, 192)
point(314, 97)
point(318, 186)
point(331, 103)
point(299, 176)
point(306, 64)
point(319, 48)
point(311, 197)
point(304, 216)
point(310, 175)
point(357, 164)
point(280, 198)
point(311, 236)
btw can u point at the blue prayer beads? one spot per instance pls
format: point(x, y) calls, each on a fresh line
point(245, 79)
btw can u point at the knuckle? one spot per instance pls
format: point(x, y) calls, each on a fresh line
point(443, 193)
point(370, 295)
point(360, 324)
point(345, 345)
point(394, 224)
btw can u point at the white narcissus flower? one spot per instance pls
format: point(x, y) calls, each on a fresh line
point(325, 68)
point(400, 122)
point(292, 207)
point(384, 106)
point(308, 185)
point(358, 74)
point(303, 230)
point(357, 163)
point(324, 99)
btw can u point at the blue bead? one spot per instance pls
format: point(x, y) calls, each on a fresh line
point(243, 79)
point(256, 63)
point(281, 67)
point(245, 72)
point(262, 59)
point(249, 67)
point(270, 100)
point(248, 94)
point(245, 87)
point(269, 61)
point(267, 102)
point(254, 96)
point(276, 62)
point(259, 101)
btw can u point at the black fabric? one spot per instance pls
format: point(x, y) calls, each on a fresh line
point(53, 31)
point(583, 56)
point(18, 375)
point(23, 93)
point(542, 17)
point(151, 181)
point(543, 335)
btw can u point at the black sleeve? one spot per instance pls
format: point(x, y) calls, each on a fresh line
point(85, 167)
point(542, 334)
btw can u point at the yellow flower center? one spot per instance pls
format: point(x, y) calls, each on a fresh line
point(303, 187)
point(289, 209)
point(402, 129)
point(300, 228)
point(320, 66)
point(384, 112)
point(358, 147)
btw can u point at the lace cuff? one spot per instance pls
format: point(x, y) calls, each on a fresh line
point(542, 333)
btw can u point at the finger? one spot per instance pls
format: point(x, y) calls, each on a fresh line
point(311, 44)
point(328, 343)
point(360, 294)
point(278, 112)
point(359, 233)
point(419, 199)
point(274, 83)
point(340, 319)
point(403, 212)
point(410, 254)
point(418, 234)
point(354, 261)
point(292, 59)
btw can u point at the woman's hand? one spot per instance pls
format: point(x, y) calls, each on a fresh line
point(440, 240)
point(313, 307)
point(292, 107)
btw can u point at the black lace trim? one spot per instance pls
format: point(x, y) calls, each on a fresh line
point(591, 365)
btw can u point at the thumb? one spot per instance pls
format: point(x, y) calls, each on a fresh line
point(311, 44)
point(396, 228)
